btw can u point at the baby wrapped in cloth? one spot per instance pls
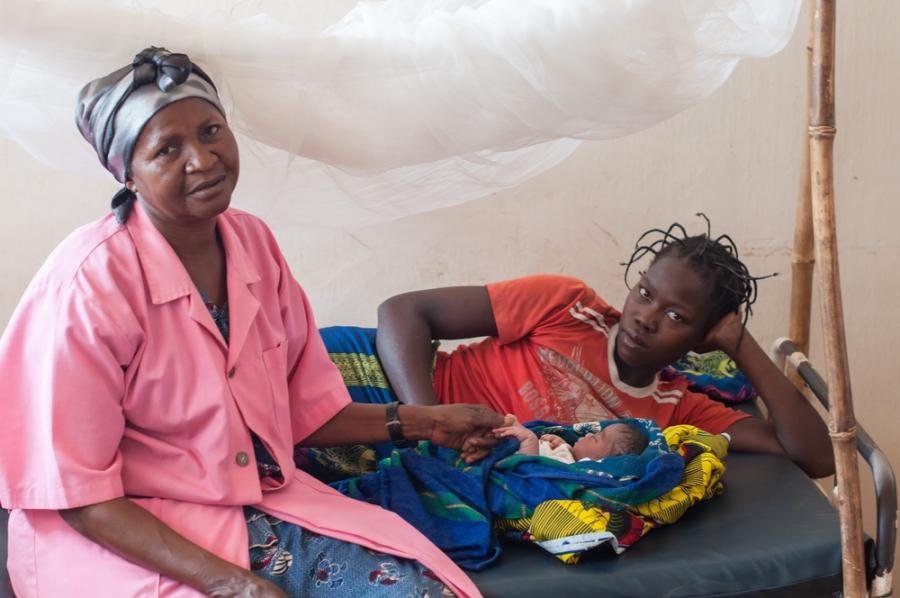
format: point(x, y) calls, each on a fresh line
point(461, 507)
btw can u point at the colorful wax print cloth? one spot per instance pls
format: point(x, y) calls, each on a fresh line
point(352, 350)
point(568, 529)
point(456, 504)
point(714, 374)
point(704, 456)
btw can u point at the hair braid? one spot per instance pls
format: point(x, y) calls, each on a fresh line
point(734, 288)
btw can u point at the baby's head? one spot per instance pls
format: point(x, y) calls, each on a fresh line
point(611, 441)
point(691, 284)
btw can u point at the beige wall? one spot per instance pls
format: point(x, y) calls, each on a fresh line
point(735, 157)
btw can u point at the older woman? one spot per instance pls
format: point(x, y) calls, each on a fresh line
point(158, 372)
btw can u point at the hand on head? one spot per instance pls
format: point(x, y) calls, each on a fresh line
point(723, 336)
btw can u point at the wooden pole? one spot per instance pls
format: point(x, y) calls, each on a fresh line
point(841, 424)
point(803, 259)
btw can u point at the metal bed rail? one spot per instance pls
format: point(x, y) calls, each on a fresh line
point(882, 473)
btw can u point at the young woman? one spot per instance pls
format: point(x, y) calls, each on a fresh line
point(557, 351)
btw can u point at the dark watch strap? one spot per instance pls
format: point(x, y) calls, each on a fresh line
point(392, 423)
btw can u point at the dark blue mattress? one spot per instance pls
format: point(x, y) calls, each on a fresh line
point(772, 533)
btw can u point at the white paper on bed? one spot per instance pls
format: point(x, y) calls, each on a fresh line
point(349, 114)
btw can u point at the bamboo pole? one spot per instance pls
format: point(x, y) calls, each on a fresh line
point(803, 258)
point(841, 422)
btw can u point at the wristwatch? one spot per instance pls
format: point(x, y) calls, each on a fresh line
point(394, 428)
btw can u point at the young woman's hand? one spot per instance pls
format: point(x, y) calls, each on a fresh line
point(723, 336)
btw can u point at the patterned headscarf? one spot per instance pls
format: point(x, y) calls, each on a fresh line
point(112, 110)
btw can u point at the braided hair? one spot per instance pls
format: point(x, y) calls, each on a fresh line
point(734, 289)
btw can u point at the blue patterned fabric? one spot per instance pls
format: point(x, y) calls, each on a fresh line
point(305, 564)
point(352, 349)
point(714, 374)
point(455, 504)
point(364, 384)
point(219, 314)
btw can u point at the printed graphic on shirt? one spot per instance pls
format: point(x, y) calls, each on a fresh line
point(577, 393)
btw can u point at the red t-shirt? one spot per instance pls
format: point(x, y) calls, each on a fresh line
point(553, 360)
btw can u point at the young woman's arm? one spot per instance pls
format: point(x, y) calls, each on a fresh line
point(407, 324)
point(136, 535)
point(796, 428)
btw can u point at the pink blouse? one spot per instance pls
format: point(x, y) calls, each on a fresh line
point(116, 382)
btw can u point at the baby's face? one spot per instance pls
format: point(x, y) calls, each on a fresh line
point(600, 444)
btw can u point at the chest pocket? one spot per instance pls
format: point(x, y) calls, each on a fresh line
point(275, 362)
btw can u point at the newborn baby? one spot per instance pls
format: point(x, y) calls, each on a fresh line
point(613, 440)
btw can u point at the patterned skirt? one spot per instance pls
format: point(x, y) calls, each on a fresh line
point(304, 563)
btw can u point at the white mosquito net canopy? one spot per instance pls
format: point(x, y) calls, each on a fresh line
point(351, 113)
